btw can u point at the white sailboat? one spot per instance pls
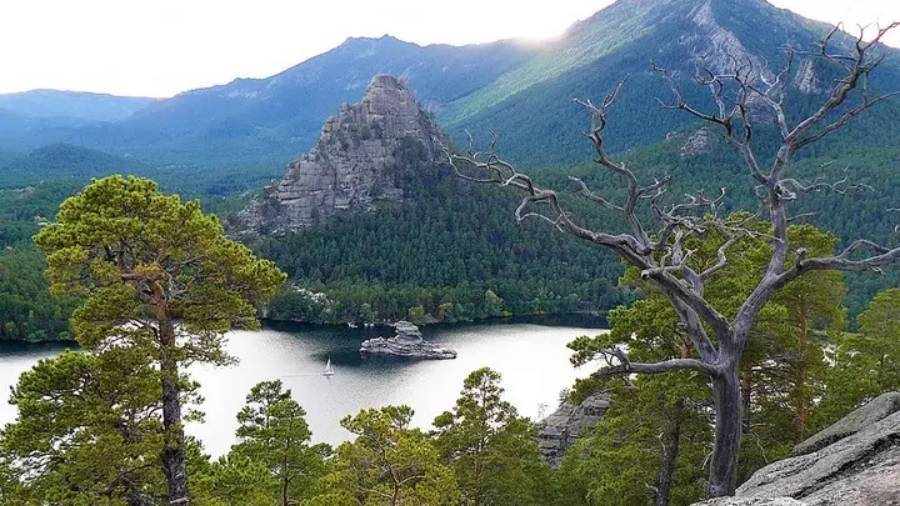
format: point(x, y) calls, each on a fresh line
point(329, 371)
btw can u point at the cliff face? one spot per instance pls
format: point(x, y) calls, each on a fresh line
point(567, 425)
point(363, 155)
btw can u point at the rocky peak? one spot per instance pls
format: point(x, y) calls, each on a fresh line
point(362, 156)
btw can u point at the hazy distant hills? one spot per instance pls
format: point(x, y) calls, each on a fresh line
point(72, 104)
point(61, 162)
point(280, 116)
point(293, 104)
point(523, 91)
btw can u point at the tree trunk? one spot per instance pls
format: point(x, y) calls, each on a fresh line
point(801, 397)
point(746, 397)
point(729, 421)
point(174, 462)
point(670, 454)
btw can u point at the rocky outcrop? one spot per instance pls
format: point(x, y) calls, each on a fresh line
point(568, 424)
point(855, 462)
point(806, 79)
point(699, 143)
point(408, 342)
point(753, 501)
point(362, 157)
point(719, 47)
point(880, 408)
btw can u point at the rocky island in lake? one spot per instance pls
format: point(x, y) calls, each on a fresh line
point(407, 343)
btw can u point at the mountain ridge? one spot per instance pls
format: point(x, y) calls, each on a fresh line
point(85, 105)
point(522, 90)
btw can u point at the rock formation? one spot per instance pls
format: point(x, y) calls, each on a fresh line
point(699, 143)
point(855, 462)
point(567, 425)
point(407, 343)
point(362, 156)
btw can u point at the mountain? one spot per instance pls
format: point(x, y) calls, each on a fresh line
point(72, 104)
point(274, 119)
point(365, 154)
point(282, 114)
point(522, 91)
point(532, 107)
point(374, 221)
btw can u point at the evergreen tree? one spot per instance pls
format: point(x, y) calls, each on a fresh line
point(649, 445)
point(274, 432)
point(490, 447)
point(866, 363)
point(387, 464)
point(157, 275)
point(88, 431)
point(233, 479)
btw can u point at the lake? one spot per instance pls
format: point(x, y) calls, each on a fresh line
point(532, 358)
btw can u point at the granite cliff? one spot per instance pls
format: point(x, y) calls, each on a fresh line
point(365, 153)
point(569, 423)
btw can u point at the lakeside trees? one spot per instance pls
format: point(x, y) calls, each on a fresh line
point(492, 450)
point(273, 431)
point(157, 277)
point(89, 431)
point(740, 92)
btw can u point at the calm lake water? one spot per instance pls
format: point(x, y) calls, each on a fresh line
point(532, 357)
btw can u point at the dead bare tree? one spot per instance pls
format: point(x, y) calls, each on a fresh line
point(739, 94)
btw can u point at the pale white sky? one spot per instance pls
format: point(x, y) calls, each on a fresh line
point(162, 47)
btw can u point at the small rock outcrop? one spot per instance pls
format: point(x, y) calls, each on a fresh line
point(855, 462)
point(565, 426)
point(407, 342)
point(361, 158)
point(806, 79)
point(699, 143)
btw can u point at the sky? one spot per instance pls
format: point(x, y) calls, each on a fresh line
point(162, 47)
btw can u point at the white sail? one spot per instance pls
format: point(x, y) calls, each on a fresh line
point(329, 371)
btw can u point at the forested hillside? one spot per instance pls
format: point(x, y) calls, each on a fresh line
point(453, 252)
point(27, 311)
point(451, 244)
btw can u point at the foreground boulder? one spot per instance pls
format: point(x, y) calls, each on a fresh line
point(565, 426)
point(407, 343)
point(882, 407)
point(855, 462)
